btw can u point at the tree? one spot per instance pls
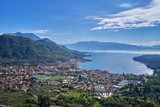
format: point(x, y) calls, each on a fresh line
point(96, 104)
point(43, 101)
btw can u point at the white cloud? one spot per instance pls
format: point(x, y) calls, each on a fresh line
point(36, 31)
point(126, 5)
point(42, 37)
point(40, 31)
point(152, 43)
point(148, 16)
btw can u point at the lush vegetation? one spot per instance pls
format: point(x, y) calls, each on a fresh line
point(82, 99)
point(21, 49)
point(146, 95)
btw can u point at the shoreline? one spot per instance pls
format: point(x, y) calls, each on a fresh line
point(88, 60)
point(142, 62)
point(146, 66)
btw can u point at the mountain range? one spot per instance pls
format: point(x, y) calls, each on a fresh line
point(27, 47)
point(97, 46)
point(22, 49)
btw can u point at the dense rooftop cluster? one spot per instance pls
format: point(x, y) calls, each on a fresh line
point(23, 77)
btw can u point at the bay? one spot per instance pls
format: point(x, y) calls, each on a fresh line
point(115, 62)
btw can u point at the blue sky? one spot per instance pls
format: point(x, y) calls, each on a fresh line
point(70, 21)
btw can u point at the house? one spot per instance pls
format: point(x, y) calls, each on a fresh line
point(126, 82)
point(24, 88)
point(99, 88)
point(65, 82)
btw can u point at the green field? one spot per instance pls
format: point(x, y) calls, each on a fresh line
point(100, 85)
point(58, 78)
point(41, 76)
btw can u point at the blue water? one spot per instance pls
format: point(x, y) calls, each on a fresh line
point(115, 62)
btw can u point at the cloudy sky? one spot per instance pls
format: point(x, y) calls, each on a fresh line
point(70, 21)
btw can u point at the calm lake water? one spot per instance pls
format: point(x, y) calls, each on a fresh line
point(115, 62)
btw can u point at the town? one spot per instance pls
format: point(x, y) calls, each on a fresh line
point(59, 77)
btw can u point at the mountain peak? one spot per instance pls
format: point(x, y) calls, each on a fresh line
point(20, 33)
point(27, 35)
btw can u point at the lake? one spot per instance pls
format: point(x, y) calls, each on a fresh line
point(116, 62)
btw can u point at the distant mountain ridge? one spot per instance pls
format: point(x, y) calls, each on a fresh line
point(27, 35)
point(21, 49)
point(94, 45)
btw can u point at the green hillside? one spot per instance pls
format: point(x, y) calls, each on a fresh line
point(21, 49)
